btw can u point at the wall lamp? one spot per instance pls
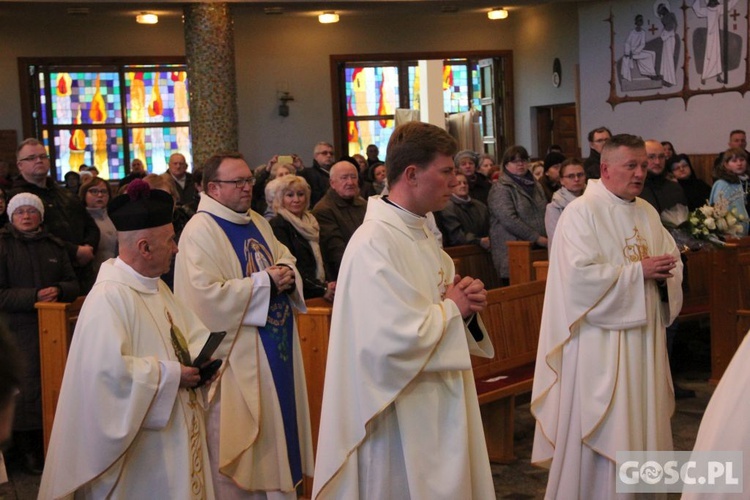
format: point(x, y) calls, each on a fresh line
point(284, 98)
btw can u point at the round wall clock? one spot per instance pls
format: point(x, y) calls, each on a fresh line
point(556, 72)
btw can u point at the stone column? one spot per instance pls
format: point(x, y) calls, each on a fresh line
point(212, 83)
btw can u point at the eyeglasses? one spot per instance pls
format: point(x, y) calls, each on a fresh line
point(572, 177)
point(26, 211)
point(96, 192)
point(655, 156)
point(43, 156)
point(324, 153)
point(239, 183)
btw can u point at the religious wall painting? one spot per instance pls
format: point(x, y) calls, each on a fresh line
point(664, 49)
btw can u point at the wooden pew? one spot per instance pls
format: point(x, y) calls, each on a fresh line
point(521, 256)
point(475, 261)
point(730, 303)
point(512, 317)
point(57, 321)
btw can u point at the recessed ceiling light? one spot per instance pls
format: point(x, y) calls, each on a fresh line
point(147, 18)
point(497, 14)
point(328, 18)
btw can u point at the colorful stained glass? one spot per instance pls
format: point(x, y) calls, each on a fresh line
point(43, 100)
point(455, 88)
point(414, 87)
point(85, 98)
point(153, 146)
point(102, 148)
point(371, 91)
point(368, 132)
point(156, 96)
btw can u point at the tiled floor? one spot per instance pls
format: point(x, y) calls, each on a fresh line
point(519, 480)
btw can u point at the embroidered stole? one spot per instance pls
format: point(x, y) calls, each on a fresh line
point(254, 255)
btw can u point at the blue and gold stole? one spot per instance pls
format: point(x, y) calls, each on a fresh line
point(254, 255)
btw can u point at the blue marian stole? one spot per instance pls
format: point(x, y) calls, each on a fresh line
point(276, 335)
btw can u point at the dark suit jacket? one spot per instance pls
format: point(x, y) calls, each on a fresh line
point(338, 219)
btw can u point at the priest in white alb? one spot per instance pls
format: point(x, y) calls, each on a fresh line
point(129, 420)
point(400, 417)
point(602, 382)
point(238, 278)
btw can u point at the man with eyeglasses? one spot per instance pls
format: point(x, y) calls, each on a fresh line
point(339, 213)
point(597, 138)
point(65, 215)
point(658, 190)
point(318, 175)
point(237, 277)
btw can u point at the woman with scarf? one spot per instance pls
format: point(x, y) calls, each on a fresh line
point(95, 194)
point(295, 227)
point(34, 267)
point(464, 220)
point(517, 205)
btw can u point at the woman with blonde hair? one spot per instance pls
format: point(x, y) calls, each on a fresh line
point(294, 226)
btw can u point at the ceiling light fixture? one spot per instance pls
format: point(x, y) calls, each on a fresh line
point(497, 14)
point(147, 18)
point(328, 18)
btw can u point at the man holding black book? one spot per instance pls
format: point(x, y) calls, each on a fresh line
point(130, 421)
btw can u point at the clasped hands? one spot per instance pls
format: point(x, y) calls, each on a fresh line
point(469, 295)
point(283, 277)
point(659, 267)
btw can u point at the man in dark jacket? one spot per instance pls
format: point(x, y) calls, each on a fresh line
point(597, 138)
point(65, 215)
point(182, 179)
point(339, 213)
point(318, 175)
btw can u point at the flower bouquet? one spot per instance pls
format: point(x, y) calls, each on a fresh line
point(713, 222)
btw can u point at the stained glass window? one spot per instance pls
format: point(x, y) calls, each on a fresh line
point(373, 94)
point(107, 116)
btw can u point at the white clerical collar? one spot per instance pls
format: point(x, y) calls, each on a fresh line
point(151, 284)
point(391, 202)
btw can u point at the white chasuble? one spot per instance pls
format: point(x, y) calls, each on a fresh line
point(400, 417)
point(251, 445)
point(602, 382)
point(726, 425)
point(123, 427)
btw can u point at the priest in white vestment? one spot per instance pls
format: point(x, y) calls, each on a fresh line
point(602, 382)
point(726, 422)
point(129, 422)
point(400, 417)
point(238, 278)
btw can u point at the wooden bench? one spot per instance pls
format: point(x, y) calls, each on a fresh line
point(57, 321)
point(730, 303)
point(696, 303)
point(475, 261)
point(521, 258)
point(512, 318)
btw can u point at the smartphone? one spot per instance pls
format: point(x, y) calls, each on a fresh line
point(285, 160)
point(208, 348)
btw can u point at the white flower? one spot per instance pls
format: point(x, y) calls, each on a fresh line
point(710, 223)
point(738, 229)
point(731, 219)
point(707, 210)
point(721, 225)
point(694, 221)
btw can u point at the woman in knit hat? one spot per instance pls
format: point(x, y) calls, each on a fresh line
point(466, 162)
point(34, 267)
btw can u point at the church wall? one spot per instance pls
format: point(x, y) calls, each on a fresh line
point(700, 125)
point(292, 52)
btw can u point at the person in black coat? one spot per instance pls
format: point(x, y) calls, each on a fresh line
point(34, 267)
point(294, 226)
point(696, 190)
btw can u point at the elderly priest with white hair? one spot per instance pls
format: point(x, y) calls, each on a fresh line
point(130, 420)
